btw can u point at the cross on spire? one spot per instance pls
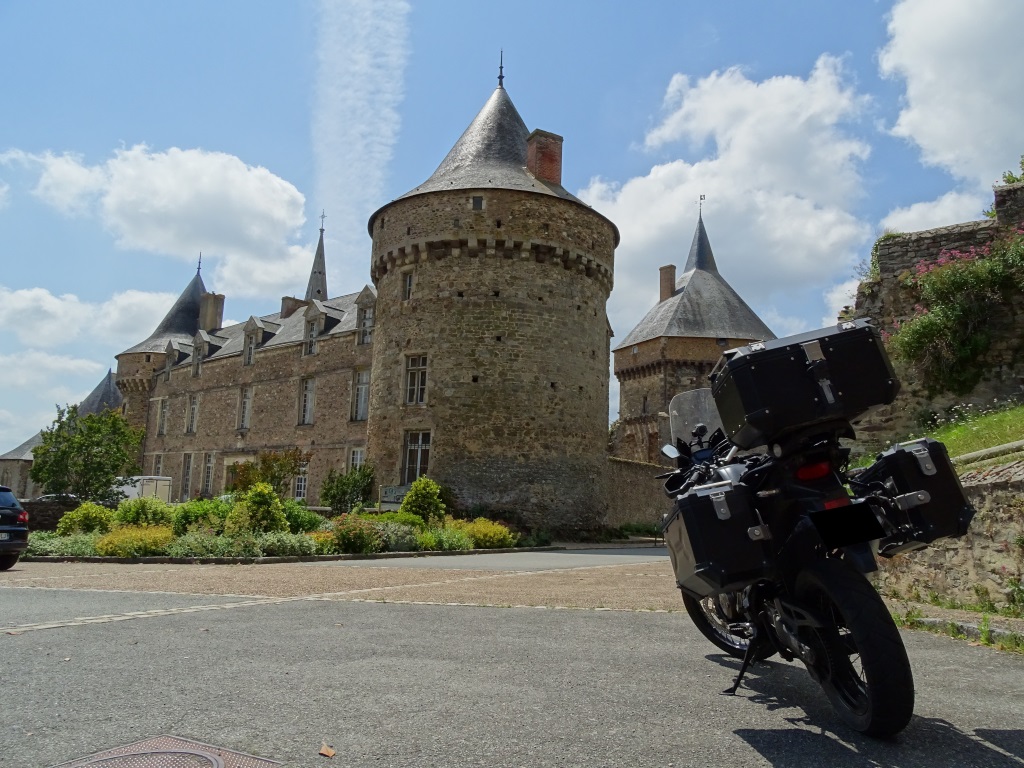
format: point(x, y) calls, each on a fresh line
point(200, 267)
point(501, 68)
point(323, 215)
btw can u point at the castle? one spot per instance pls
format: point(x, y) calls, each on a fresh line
point(478, 356)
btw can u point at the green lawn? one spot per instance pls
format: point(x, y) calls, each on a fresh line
point(986, 431)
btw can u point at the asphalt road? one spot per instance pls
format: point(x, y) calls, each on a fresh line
point(378, 660)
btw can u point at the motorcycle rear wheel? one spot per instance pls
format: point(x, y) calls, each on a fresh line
point(710, 618)
point(859, 659)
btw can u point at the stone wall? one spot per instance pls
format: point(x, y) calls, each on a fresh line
point(275, 377)
point(987, 559)
point(884, 298)
point(44, 515)
point(14, 473)
point(633, 494)
point(507, 304)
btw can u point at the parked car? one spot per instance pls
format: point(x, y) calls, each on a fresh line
point(13, 529)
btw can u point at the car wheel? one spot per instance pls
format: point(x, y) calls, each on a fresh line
point(7, 561)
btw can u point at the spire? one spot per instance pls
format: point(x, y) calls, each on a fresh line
point(501, 69)
point(199, 267)
point(701, 256)
point(317, 286)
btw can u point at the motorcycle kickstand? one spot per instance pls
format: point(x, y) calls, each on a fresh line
point(748, 659)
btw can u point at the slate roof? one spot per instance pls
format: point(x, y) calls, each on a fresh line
point(703, 305)
point(180, 323)
point(490, 154)
point(317, 286)
point(105, 395)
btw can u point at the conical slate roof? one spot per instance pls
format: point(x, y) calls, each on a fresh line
point(180, 323)
point(24, 451)
point(490, 154)
point(703, 305)
point(316, 289)
point(106, 395)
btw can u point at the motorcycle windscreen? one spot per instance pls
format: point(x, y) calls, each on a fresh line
point(688, 409)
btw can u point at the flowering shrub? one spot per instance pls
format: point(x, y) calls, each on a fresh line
point(135, 541)
point(947, 338)
point(280, 544)
point(355, 535)
point(445, 539)
point(86, 518)
point(486, 534)
point(323, 542)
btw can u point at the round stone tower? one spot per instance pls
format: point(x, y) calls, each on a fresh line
point(491, 342)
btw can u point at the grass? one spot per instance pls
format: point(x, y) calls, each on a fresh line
point(1003, 641)
point(975, 433)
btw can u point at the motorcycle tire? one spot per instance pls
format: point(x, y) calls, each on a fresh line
point(709, 617)
point(858, 657)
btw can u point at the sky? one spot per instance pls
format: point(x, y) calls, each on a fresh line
point(135, 136)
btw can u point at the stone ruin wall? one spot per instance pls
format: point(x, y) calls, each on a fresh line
point(884, 299)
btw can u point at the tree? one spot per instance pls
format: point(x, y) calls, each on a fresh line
point(278, 468)
point(341, 491)
point(84, 455)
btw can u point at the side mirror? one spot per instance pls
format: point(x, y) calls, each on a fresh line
point(670, 452)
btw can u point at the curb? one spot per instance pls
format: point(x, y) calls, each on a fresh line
point(276, 560)
point(967, 629)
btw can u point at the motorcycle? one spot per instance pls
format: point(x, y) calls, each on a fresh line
point(771, 533)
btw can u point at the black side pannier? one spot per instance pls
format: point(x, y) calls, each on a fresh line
point(766, 390)
point(916, 467)
point(715, 540)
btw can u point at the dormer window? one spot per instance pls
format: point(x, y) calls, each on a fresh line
point(249, 355)
point(365, 325)
point(312, 331)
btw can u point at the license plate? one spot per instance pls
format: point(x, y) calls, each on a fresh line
point(4, 536)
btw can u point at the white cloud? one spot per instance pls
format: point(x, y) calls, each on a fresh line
point(779, 175)
point(32, 369)
point(37, 318)
point(361, 51)
point(185, 201)
point(838, 297)
point(961, 63)
point(952, 208)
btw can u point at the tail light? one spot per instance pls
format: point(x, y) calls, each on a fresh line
point(23, 517)
point(813, 471)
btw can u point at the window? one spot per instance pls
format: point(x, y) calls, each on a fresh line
point(193, 414)
point(357, 458)
point(417, 454)
point(158, 464)
point(478, 203)
point(161, 419)
point(416, 380)
point(197, 360)
point(186, 476)
point(311, 333)
point(361, 396)
point(366, 325)
point(407, 286)
point(208, 475)
point(245, 408)
point(306, 394)
point(301, 480)
point(250, 349)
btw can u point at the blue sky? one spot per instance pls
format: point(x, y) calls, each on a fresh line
point(135, 135)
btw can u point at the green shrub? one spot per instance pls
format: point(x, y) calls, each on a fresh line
point(450, 539)
point(143, 511)
point(258, 511)
point(86, 518)
point(205, 514)
point(278, 544)
point(323, 541)
point(396, 537)
point(342, 491)
point(135, 541)
point(200, 543)
point(486, 534)
point(538, 538)
point(300, 518)
point(424, 500)
point(40, 543)
point(355, 535)
point(72, 545)
point(427, 540)
point(402, 518)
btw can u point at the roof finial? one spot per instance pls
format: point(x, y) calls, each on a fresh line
point(501, 68)
point(200, 267)
point(700, 206)
point(323, 215)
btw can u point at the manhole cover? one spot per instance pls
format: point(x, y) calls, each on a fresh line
point(170, 752)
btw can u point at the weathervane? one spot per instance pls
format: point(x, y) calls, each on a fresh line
point(501, 68)
point(323, 215)
point(200, 267)
point(700, 206)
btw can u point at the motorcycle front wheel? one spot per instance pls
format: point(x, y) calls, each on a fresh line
point(713, 615)
point(857, 655)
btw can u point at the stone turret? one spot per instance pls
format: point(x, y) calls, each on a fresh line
point(491, 342)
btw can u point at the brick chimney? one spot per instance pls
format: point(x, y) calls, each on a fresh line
point(289, 304)
point(211, 311)
point(668, 281)
point(544, 156)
